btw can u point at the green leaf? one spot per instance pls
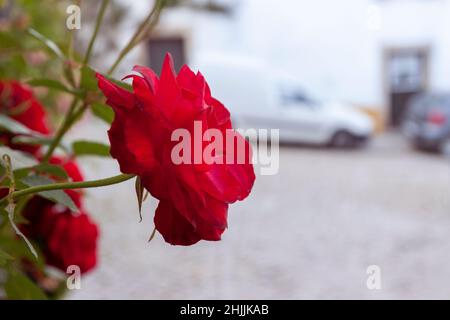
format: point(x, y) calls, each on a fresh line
point(52, 84)
point(48, 43)
point(7, 40)
point(20, 249)
point(57, 196)
point(103, 111)
point(4, 257)
point(20, 108)
point(85, 148)
point(53, 170)
point(13, 126)
point(41, 141)
point(19, 159)
point(19, 286)
point(88, 79)
point(11, 208)
point(18, 63)
point(50, 169)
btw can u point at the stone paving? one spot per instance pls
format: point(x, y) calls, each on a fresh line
point(309, 232)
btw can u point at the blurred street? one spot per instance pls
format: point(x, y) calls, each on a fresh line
point(309, 232)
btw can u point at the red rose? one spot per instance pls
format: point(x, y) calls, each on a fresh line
point(18, 102)
point(193, 198)
point(66, 238)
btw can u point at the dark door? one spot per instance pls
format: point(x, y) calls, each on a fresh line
point(157, 48)
point(407, 76)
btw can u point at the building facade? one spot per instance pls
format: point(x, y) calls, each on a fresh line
point(373, 53)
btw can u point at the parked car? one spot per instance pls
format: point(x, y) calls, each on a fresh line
point(427, 122)
point(260, 98)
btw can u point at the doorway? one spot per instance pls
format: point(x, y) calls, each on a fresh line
point(407, 76)
point(158, 47)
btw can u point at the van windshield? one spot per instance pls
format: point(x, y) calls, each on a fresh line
point(296, 96)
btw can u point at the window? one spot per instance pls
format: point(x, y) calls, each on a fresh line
point(296, 96)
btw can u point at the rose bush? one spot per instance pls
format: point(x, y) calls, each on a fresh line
point(65, 238)
point(43, 219)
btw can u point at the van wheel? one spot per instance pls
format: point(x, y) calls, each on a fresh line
point(342, 139)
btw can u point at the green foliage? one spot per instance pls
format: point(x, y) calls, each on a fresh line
point(43, 168)
point(4, 258)
point(8, 41)
point(37, 140)
point(10, 125)
point(90, 148)
point(103, 112)
point(35, 48)
point(53, 170)
point(57, 196)
point(16, 42)
point(19, 159)
point(19, 250)
point(52, 46)
point(53, 84)
point(88, 80)
point(19, 286)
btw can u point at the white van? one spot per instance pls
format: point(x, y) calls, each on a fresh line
point(259, 98)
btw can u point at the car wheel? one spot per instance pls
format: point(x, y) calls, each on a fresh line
point(444, 147)
point(342, 139)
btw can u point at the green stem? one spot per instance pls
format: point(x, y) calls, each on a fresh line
point(98, 23)
point(71, 116)
point(138, 36)
point(69, 185)
point(78, 113)
point(67, 66)
point(135, 39)
point(65, 126)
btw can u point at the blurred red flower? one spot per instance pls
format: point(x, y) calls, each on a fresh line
point(69, 239)
point(193, 198)
point(66, 238)
point(18, 102)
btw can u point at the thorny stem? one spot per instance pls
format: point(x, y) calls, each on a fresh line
point(141, 33)
point(65, 126)
point(71, 115)
point(98, 23)
point(138, 36)
point(67, 185)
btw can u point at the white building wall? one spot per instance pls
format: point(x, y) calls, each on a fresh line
point(420, 23)
point(334, 47)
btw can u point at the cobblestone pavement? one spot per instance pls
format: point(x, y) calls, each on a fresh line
point(309, 232)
